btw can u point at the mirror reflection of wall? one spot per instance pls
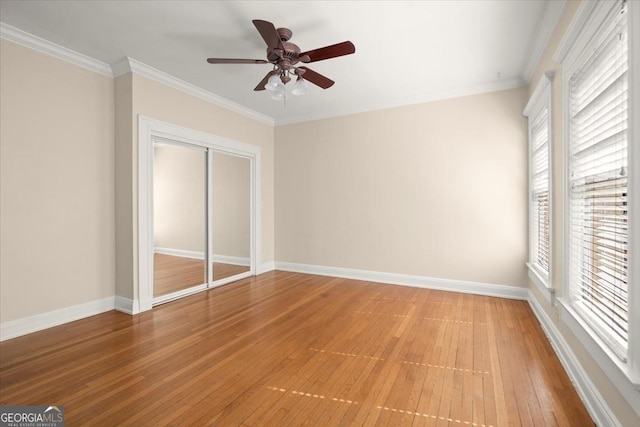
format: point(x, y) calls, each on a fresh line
point(179, 213)
point(231, 232)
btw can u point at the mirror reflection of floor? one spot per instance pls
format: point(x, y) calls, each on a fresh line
point(174, 273)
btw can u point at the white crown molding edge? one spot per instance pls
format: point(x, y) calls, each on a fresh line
point(550, 19)
point(404, 102)
point(16, 35)
point(121, 67)
point(127, 64)
point(38, 322)
point(588, 392)
point(486, 289)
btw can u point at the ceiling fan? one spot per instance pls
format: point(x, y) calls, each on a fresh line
point(284, 56)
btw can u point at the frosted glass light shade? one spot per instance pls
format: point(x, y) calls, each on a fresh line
point(273, 83)
point(300, 88)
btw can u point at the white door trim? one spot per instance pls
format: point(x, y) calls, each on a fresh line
point(150, 130)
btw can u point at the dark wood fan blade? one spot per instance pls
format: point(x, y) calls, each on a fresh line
point(316, 78)
point(268, 32)
point(264, 81)
point(327, 52)
point(236, 61)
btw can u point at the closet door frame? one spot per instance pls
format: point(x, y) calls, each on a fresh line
point(150, 131)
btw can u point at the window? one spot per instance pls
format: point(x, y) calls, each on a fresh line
point(538, 110)
point(600, 303)
point(540, 190)
point(598, 146)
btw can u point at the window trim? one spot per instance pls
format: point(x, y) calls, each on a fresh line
point(541, 97)
point(634, 189)
point(625, 375)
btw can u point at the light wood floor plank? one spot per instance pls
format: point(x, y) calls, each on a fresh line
point(293, 349)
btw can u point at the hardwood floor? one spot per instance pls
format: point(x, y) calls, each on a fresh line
point(287, 349)
point(173, 273)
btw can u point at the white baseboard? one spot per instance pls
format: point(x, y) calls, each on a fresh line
point(225, 259)
point(266, 267)
point(126, 305)
point(502, 291)
point(38, 322)
point(234, 260)
point(597, 407)
point(179, 252)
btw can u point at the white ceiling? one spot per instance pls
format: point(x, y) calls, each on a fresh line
point(406, 51)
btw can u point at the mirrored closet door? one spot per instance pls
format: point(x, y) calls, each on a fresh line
point(179, 218)
point(201, 219)
point(230, 197)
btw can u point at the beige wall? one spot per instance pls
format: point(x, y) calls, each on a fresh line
point(622, 410)
point(435, 190)
point(57, 184)
point(126, 268)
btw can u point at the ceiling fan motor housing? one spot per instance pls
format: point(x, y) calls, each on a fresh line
point(287, 53)
point(291, 51)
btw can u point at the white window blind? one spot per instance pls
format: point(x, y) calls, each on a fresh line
point(598, 149)
point(539, 219)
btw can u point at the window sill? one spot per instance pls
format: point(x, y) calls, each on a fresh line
point(618, 372)
point(542, 283)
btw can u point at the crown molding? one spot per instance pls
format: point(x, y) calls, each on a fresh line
point(16, 35)
point(123, 66)
point(403, 102)
point(120, 67)
point(550, 19)
point(130, 65)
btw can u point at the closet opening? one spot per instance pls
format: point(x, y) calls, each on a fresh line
point(198, 211)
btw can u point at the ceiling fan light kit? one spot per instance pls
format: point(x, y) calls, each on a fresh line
point(300, 87)
point(284, 56)
point(274, 83)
